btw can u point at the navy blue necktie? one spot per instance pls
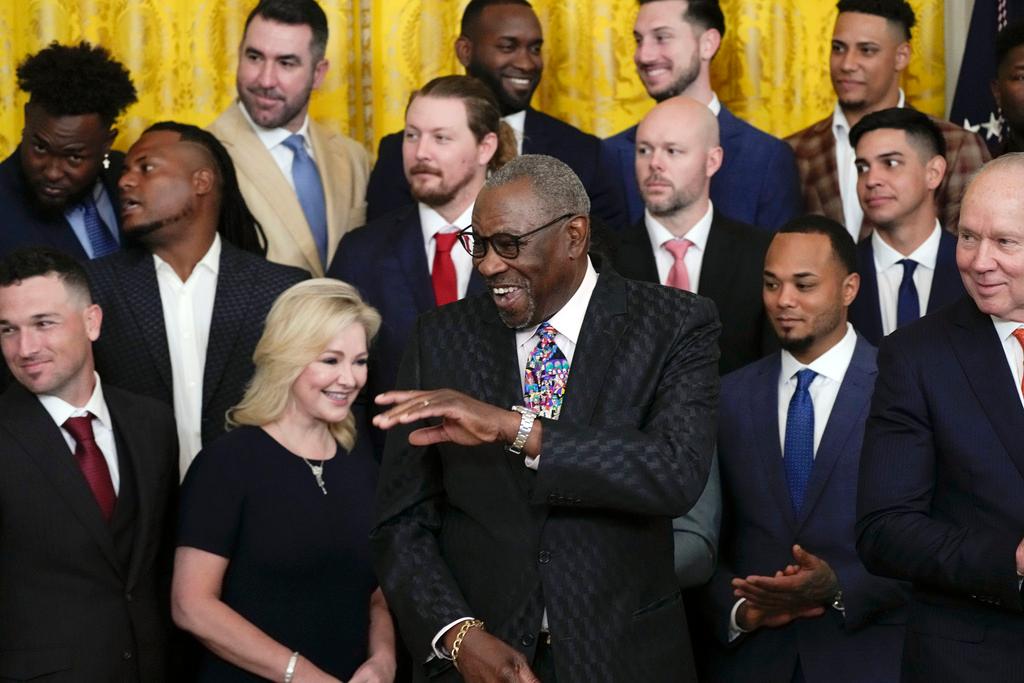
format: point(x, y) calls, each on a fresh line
point(798, 452)
point(908, 306)
point(310, 191)
point(100, 239)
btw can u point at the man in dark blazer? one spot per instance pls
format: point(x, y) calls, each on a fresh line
point(942, 471)
point(790, 599)
point(675, 43)
point(907, 265)
point(87, 476)
point(551, 522)
point(194, 241)
point(867, 81)
point(58, 188)
point(513, 73)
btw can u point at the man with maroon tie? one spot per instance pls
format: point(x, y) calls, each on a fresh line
point(87, 473)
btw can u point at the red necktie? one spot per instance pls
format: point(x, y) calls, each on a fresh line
point(443, 273)
point(93, 464)
point(1019, 334)
point(678, 277)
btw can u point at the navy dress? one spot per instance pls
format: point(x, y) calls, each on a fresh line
point(299, 560)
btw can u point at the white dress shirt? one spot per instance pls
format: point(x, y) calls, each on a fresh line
point(517, 122)
point(273, 139)
point(715, 105)
point(831, 368)
point(75, 217)
point(694, 258)
point(1012, 349)
point(890, 274)
point(432, 223)
point(853, 214)
point(188, 309)
point(102, 427)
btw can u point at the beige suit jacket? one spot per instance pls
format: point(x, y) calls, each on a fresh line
point(344, 168)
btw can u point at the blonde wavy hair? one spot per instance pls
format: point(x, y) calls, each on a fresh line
point(300, 325)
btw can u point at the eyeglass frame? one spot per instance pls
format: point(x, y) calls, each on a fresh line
point(517, 240)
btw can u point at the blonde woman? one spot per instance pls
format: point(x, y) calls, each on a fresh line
point(272, 572)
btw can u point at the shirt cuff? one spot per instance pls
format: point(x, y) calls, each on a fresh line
point(735, 631)
point(436, 643)
point(532, 463)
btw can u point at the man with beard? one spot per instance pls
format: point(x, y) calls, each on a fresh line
point(410, 261)
point(184, 308)
point(304, 184)
point(675, 43)
point(870, 50)
point(535, 543)
point(500, 44)
point(1008, 86)
point(790, 600)
point(58, 188)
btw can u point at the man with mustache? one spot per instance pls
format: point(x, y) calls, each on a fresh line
point(676, 40)
point(58, 188)
point(304, 184)
point(544, 435)
point(500, 43)
point(409, 261)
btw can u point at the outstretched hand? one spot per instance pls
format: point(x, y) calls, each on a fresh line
point(464, 420)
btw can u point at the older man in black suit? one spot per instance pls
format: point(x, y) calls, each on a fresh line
point(549, 522)
point(87, 474)
point(186, 307)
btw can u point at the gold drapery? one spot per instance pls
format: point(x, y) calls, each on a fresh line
point(772, 69)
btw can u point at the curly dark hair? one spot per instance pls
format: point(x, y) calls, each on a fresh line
point(69, 80)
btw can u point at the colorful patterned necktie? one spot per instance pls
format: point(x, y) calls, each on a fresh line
point(678, 276)
point(310, 191)
point(798, 452)
point(547, 371)
point(92, 463)
point(446, 289)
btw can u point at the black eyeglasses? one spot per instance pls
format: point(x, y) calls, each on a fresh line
point(505, 245)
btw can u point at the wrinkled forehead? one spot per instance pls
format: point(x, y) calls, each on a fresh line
point(511, 208)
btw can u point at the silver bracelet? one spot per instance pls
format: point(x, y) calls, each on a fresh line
point(289, 672)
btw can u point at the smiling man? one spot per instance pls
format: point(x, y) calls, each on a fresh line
point(908, 263)
point(58, 188)
point(870, 51)
point(304, 184)
point(544, 435)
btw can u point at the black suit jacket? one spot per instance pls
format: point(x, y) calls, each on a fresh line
point(947, 287)
point(542, 134)
point(132, 349)
point(588, 536)
point(730, 275)
point(72, 609)
point(25, 225)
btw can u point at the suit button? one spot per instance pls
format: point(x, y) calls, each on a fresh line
point(127, 654)
point(543, 557)
point(527, 640)
point(129, 597)
point(553, 499)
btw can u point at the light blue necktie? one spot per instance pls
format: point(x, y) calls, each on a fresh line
point(310, 191)
point(908, 306)
point(798, 453)
point(100, 239)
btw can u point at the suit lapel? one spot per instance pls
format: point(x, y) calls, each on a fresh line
point(535, 139)
point(826, 184)
point(718, 267)
point(634, 257)
point(763, 408)
point(412, 259)
point(333, 165)
point(230, 311)
point(869, 313)
point(31, 426)
point(981, 355)
point(947, 286)
point(141, 291)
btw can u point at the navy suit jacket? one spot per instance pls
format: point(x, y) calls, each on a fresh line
point(758, 183)
point(947, 287)
point(759, 528)
point(542, 134)
point(25, 225)
point(941, 485)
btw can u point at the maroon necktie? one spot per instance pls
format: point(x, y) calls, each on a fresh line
point(93, 464)
point(443, 273)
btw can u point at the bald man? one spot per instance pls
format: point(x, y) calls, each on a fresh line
point(683, 241)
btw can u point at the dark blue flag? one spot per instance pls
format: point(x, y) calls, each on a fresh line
point(973, 105)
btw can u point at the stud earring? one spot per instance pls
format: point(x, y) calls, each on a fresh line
point(106, 161)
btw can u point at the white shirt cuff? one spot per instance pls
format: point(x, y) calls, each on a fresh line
point(734, 629)
point(436, 643)
point(532, 463)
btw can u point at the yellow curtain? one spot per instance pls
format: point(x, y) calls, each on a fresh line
point(772, 69)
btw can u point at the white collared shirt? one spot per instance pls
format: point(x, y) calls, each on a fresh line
point(188, 310)
point(75, 216)
point(853, 214)
point(1012, 349)
point(102, 427)
point(517, 122)
point(715, 105)
point(890, 273)
point(694, 257)
point(432, 223)
point(273, 139)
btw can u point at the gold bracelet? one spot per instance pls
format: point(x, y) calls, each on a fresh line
point(463, 630)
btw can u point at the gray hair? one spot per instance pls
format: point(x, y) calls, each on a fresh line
point(557, 188)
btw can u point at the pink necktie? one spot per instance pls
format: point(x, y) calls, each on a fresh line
point(678, 277)
point(1019, 334)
